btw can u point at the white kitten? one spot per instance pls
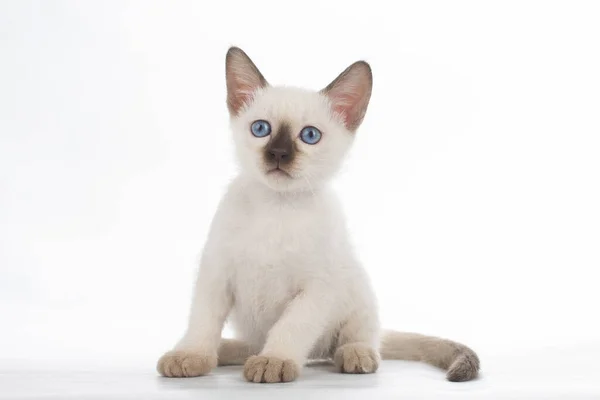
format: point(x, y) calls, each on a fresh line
point(278, 263)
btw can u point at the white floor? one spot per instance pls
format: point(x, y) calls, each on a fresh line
point(537, 375)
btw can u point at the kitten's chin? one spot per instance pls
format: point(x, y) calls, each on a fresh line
point(282, 181)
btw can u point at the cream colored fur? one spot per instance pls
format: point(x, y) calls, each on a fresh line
point(278, 263)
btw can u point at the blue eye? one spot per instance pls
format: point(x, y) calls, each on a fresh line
point(260, 128)
point(310, 135)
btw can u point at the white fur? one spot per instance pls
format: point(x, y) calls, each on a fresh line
point(278, 260)
point(278, 263)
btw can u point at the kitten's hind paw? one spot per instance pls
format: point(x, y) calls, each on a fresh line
point(261, 369)
point(184, 364)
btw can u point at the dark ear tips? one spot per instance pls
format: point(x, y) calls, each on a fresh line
point(233, 51)
point(363, 64)
point(367, 67)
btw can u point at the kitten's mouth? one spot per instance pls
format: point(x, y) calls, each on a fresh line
point(277, 171)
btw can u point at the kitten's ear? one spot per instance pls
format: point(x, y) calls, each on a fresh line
point(243, 79)
point(350, 93)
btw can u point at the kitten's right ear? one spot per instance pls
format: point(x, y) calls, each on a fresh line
point(350, 93)
point(243, 79)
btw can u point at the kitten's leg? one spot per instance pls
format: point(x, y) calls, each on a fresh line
point(196, 353)
point(358, 342)
point(291, 338)
point(234, 352)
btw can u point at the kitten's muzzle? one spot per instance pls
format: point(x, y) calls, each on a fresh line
point(279, 155)
point(281, 149)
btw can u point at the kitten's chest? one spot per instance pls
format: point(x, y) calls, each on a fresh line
point(271, 259)
point(283, 238)
point(268, 242)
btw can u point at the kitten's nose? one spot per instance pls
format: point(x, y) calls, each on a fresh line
point(279, 154)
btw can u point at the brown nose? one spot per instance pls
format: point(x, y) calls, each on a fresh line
point(279, 154)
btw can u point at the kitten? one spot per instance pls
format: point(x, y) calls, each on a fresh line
point(277, 262)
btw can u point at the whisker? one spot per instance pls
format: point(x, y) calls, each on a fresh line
point(309, 185)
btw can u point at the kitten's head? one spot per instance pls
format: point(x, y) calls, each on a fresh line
point(292, 139)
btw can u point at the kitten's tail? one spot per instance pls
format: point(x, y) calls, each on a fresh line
point(460, 362)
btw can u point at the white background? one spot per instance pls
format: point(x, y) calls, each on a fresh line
point(473, 189)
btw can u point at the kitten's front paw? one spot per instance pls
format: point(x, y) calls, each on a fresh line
point(262, 369)
point(356, 358)
point(181, 364)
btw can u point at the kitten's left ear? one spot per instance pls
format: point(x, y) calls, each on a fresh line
point(243, 79)
point(350, 93)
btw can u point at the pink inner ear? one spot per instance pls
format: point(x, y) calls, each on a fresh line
point(349, 94)
point(241, 90)
point(241, 95)
point(350, 104)
point(342, 105)
point(243, 79)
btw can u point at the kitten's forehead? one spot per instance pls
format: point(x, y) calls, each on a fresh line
point(291, 105)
